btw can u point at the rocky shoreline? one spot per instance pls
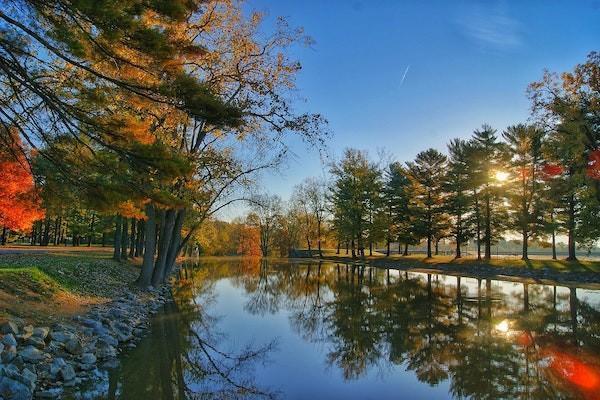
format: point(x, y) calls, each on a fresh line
point(49, 362)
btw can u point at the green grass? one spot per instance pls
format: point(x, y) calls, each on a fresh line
point(89, 273)
point(536, 264)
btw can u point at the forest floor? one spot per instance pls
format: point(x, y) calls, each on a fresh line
point(583, 271)
point(49, 285)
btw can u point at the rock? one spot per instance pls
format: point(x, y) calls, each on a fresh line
point(36, 342)
point(61, 336)
point(56, 366)
point(73, 346)
point(28, 378)
point(14, 390)
point(108, 339)
point(9, 340)
point(31, 354)
point(41, 332)
point(9, 354)
point(49, 393)
point(9, 327)
point(67, 373)
point(28, 329)
point(105, 350)
point(88, 358)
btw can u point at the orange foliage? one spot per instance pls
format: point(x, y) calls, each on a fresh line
point(19, 199)
point(129, 209)
point(249, 244)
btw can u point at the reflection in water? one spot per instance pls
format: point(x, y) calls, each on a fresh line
point(465, 337)
point(183, 358)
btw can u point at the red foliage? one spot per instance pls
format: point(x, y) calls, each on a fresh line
point(593, 167)
point(19, 200)
point(552, 170)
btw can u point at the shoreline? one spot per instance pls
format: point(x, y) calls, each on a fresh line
point(547, 276)
point(41, 362)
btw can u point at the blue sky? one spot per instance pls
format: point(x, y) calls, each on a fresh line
point(407, 75)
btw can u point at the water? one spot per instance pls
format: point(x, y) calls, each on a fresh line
point(256, 329)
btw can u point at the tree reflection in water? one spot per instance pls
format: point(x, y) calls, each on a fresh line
point(182, 358)
point(439, 327)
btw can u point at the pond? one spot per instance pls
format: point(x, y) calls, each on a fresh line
point(244, 328)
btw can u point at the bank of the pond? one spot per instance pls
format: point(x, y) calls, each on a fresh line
point(64, 317)
point(581, 273)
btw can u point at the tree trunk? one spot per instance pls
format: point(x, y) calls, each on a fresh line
point(46, 239)
point(353, 252)
point(405, 253)
point(56, 231)
point(338, 248)
point(387, 253)
point(166, 232)
point(175, 246)
point(117, 244)
point(429, 246)
point(4, 235)
point(145, 278)
point(437, 246)
point(139, 244)
point(524, 255)
point(132, 243)
point(571, 230)
point(370, 248)
point(488, 228)
point(103, 239)
point(124, 238)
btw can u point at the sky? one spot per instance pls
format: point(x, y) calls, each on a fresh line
point(403, 76)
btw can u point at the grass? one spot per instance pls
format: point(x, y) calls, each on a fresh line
point(57, 284)
point(419, 260)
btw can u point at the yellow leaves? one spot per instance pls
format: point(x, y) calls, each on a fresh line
point(129, 209)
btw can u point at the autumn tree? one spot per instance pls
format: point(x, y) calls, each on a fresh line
point(19, 197)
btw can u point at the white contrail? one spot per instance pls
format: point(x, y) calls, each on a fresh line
point(404, 75)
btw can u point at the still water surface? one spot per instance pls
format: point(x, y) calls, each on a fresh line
point(246, 328)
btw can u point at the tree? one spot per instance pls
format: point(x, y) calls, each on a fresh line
point(397, 197)
point(457, 185)
point(427, 176)
point(315, 195)
point(489, 175)
point(19, 199)
point(350, 197)
point(568, 108)
point(266, 210)
point(524, 147)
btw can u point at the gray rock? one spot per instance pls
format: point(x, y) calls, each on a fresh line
point(56, 366)
point(49, 393)
point(109, 340)
point(9, 354)
point(41, 332)
point(88, 358)
point(9, 340)
point(9, 327)
point(105, 350)
point(73, 346)
point(31, 354)
point(36, 342)
point(28, 378)
point(61, 336)
point(14, 390)
point(67, 373)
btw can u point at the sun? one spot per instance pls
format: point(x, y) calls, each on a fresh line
point(501, 176)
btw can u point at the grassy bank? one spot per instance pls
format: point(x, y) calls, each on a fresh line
point(46, 287)
point(420, 261)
